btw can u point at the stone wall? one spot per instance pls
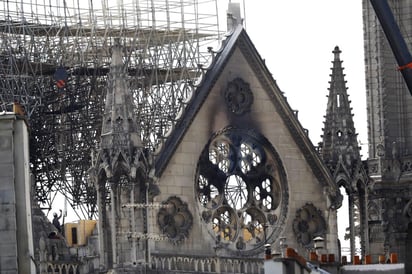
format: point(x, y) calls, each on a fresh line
point(264, 118)
point(16, 241)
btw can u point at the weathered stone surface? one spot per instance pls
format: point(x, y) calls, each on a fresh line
point(8, 264)
point(6, 123)
point(7, 192)
point(6, 143)
point(8, 220)
point(7, 172)
point(8, 250)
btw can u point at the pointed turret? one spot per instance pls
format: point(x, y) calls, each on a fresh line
point(119, 129)
point(340, 152)
point(121, 146)
point(340, 143)
point(119, 171)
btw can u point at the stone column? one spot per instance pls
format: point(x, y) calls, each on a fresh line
point(364, 228)
point(351, 204)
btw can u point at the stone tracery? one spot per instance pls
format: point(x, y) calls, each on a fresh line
point(241, 189)
point(308, 224)
point(238, 96)
point(175, 220)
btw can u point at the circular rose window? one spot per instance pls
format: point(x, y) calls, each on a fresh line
point(241, 189)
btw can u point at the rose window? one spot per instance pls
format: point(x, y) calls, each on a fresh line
point(241, 189)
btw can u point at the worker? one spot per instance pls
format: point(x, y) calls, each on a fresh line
point(56, 221)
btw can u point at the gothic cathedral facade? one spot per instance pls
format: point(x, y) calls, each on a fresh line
point(235, 173)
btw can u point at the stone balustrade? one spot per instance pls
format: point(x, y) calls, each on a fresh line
point(206, 264)
point(62, 268)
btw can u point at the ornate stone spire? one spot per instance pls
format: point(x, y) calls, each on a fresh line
point(119, 128)
point(120, 170)
point(121, 147)
point(340, 152)
point(340, 143)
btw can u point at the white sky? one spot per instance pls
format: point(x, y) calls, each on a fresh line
point(296, 38)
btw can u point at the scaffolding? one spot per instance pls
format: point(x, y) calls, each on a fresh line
point(54, 62)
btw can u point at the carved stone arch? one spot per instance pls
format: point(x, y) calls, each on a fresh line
point(120, 164)
point(103, 164)
point(343, 181)
point(374, 213)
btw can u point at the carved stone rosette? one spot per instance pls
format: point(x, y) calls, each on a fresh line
point(175, 220)
point(308, 224)
point(238, 96)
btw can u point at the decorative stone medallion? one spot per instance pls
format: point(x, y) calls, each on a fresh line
point(175, 220)
point(238, 96)
point(308, 224)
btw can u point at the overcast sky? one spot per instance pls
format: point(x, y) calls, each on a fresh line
point(296, 38)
